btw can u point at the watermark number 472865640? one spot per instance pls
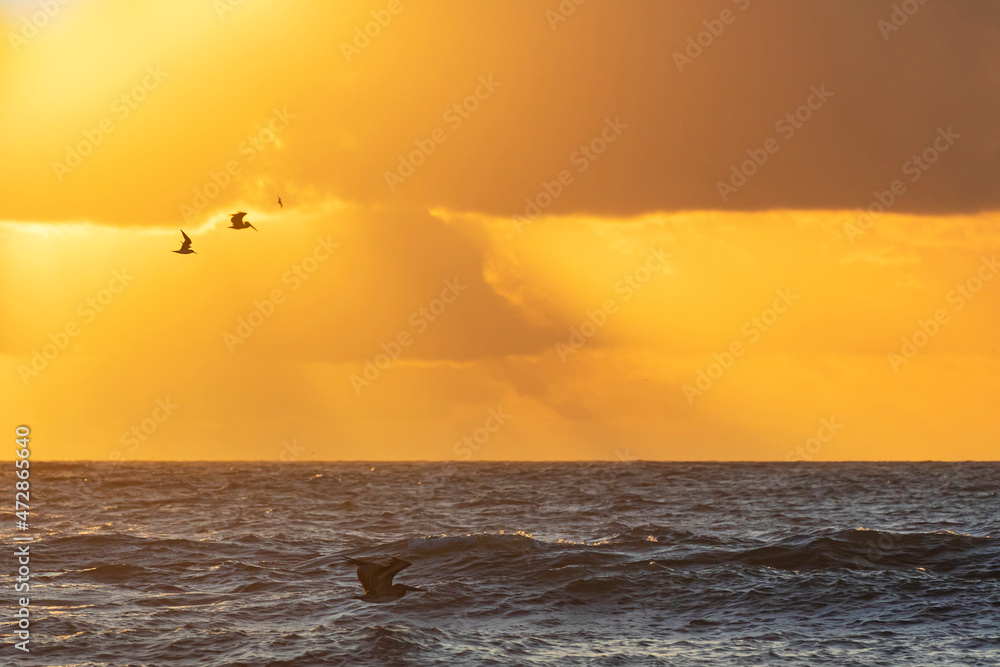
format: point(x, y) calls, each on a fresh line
point(21, 508)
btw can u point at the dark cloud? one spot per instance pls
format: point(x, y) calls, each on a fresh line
point(892, 91)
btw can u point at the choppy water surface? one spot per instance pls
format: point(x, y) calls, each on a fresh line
point(526, 564)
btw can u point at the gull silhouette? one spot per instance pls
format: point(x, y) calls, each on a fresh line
point(376, 579)
point(185, 246)
point(279, 203)
point(237, 222)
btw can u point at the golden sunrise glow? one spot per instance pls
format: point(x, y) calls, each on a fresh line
point(603, 326)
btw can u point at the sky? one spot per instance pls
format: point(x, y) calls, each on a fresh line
point(695, 230)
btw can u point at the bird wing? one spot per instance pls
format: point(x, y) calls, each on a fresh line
point(237, 217)
point(389, 571)
point(367, 573)
point(375, 577)
point(187, 241)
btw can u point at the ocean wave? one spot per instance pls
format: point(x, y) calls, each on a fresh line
point(942, 552)
point(526, 564)
point(493, 543)
point(938, 552)
point(182, 600)
point(112, 572)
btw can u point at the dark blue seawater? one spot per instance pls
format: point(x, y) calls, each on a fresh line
point(525, 564)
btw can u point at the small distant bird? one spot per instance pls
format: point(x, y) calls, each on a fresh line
point(376, 579)
point(279, 203)
point(185, 246)
point(237, 222)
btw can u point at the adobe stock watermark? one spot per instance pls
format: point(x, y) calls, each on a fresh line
point(562, 12)
point(121, 108)
point(294, 277)
point(714, 28)
point(139, 433)
point(87, 310)
point(915, 167)
point(455, 116)
point(786, 126)
point(420, 319)
point(472, 442)
point(752, 330)
point(95, 474)
point(32, 25)
point(225, 7)
point(248, 150)
point(959, 297)
point(581, 158)
point(464, 448)
point(363, 35)
point(290, 452)
point(627, 287)
point(606, 478)
point(828, 429)
point(899, 16)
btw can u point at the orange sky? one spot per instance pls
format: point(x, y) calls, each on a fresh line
point(508, 233)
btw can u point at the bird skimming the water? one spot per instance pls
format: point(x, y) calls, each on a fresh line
point(237, 222)
point(185, 246)
point(376, 579)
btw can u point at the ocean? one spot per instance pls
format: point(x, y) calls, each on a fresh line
point(524, 564)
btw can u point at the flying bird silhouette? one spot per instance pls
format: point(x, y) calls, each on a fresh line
point(237, 222)
point(279, 203)
point(185, 246)
point(376, 579)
